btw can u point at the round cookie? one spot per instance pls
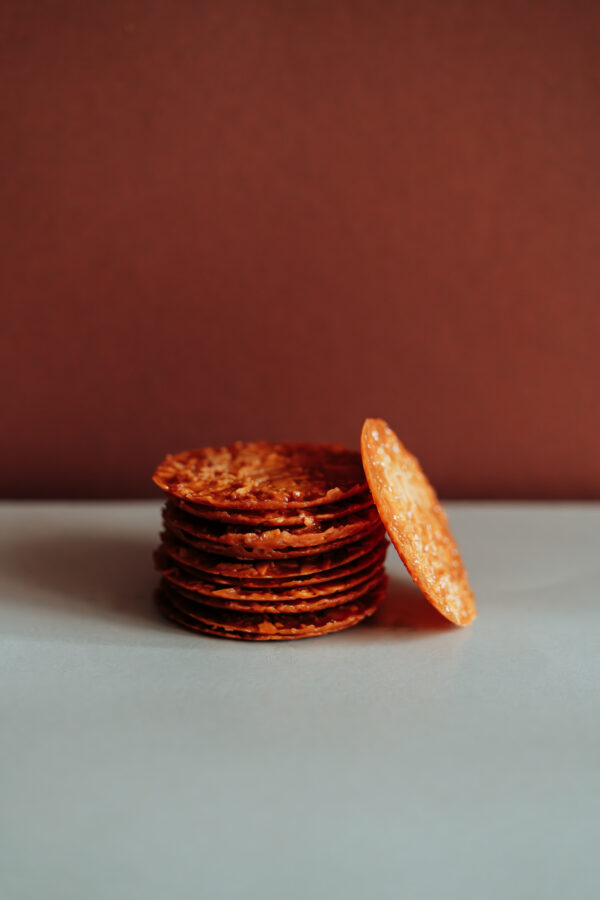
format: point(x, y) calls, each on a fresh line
point(269, 553)
point(277, 517)
point(298, 573)
point(254, 566)
point(303, 599)
point(262, 539)
point(294, 606)
point(264, 626)
point(416, 522)
point(262, 475)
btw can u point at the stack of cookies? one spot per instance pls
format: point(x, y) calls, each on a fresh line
point(268, 541)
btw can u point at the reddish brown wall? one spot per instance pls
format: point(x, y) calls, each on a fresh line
point(237, 220)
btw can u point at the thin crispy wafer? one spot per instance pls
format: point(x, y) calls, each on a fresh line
point(264, 626)
point(269, 553)
point(278, 517)
point(260, 540)
point(196, 561)
point(300, 599)
point(416, 522)
point(297, 563)
point(263, 475)
point(281, 606)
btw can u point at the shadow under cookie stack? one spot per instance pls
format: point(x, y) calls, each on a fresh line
point(268, 541)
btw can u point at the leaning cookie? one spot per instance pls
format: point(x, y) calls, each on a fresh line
point(416, 523)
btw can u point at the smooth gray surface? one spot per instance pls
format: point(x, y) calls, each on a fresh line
point(401, 759)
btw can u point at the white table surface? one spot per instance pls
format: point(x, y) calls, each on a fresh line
point(401, 759)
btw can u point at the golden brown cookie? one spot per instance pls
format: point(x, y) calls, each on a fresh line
point(278, 517)
point(416, 522)
point(283, 562)
point(265, 626)
point(259, 540)
point(263, 475)
point(282, 605)
point(292, 599)
point(269, 553)
point(263, 575)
